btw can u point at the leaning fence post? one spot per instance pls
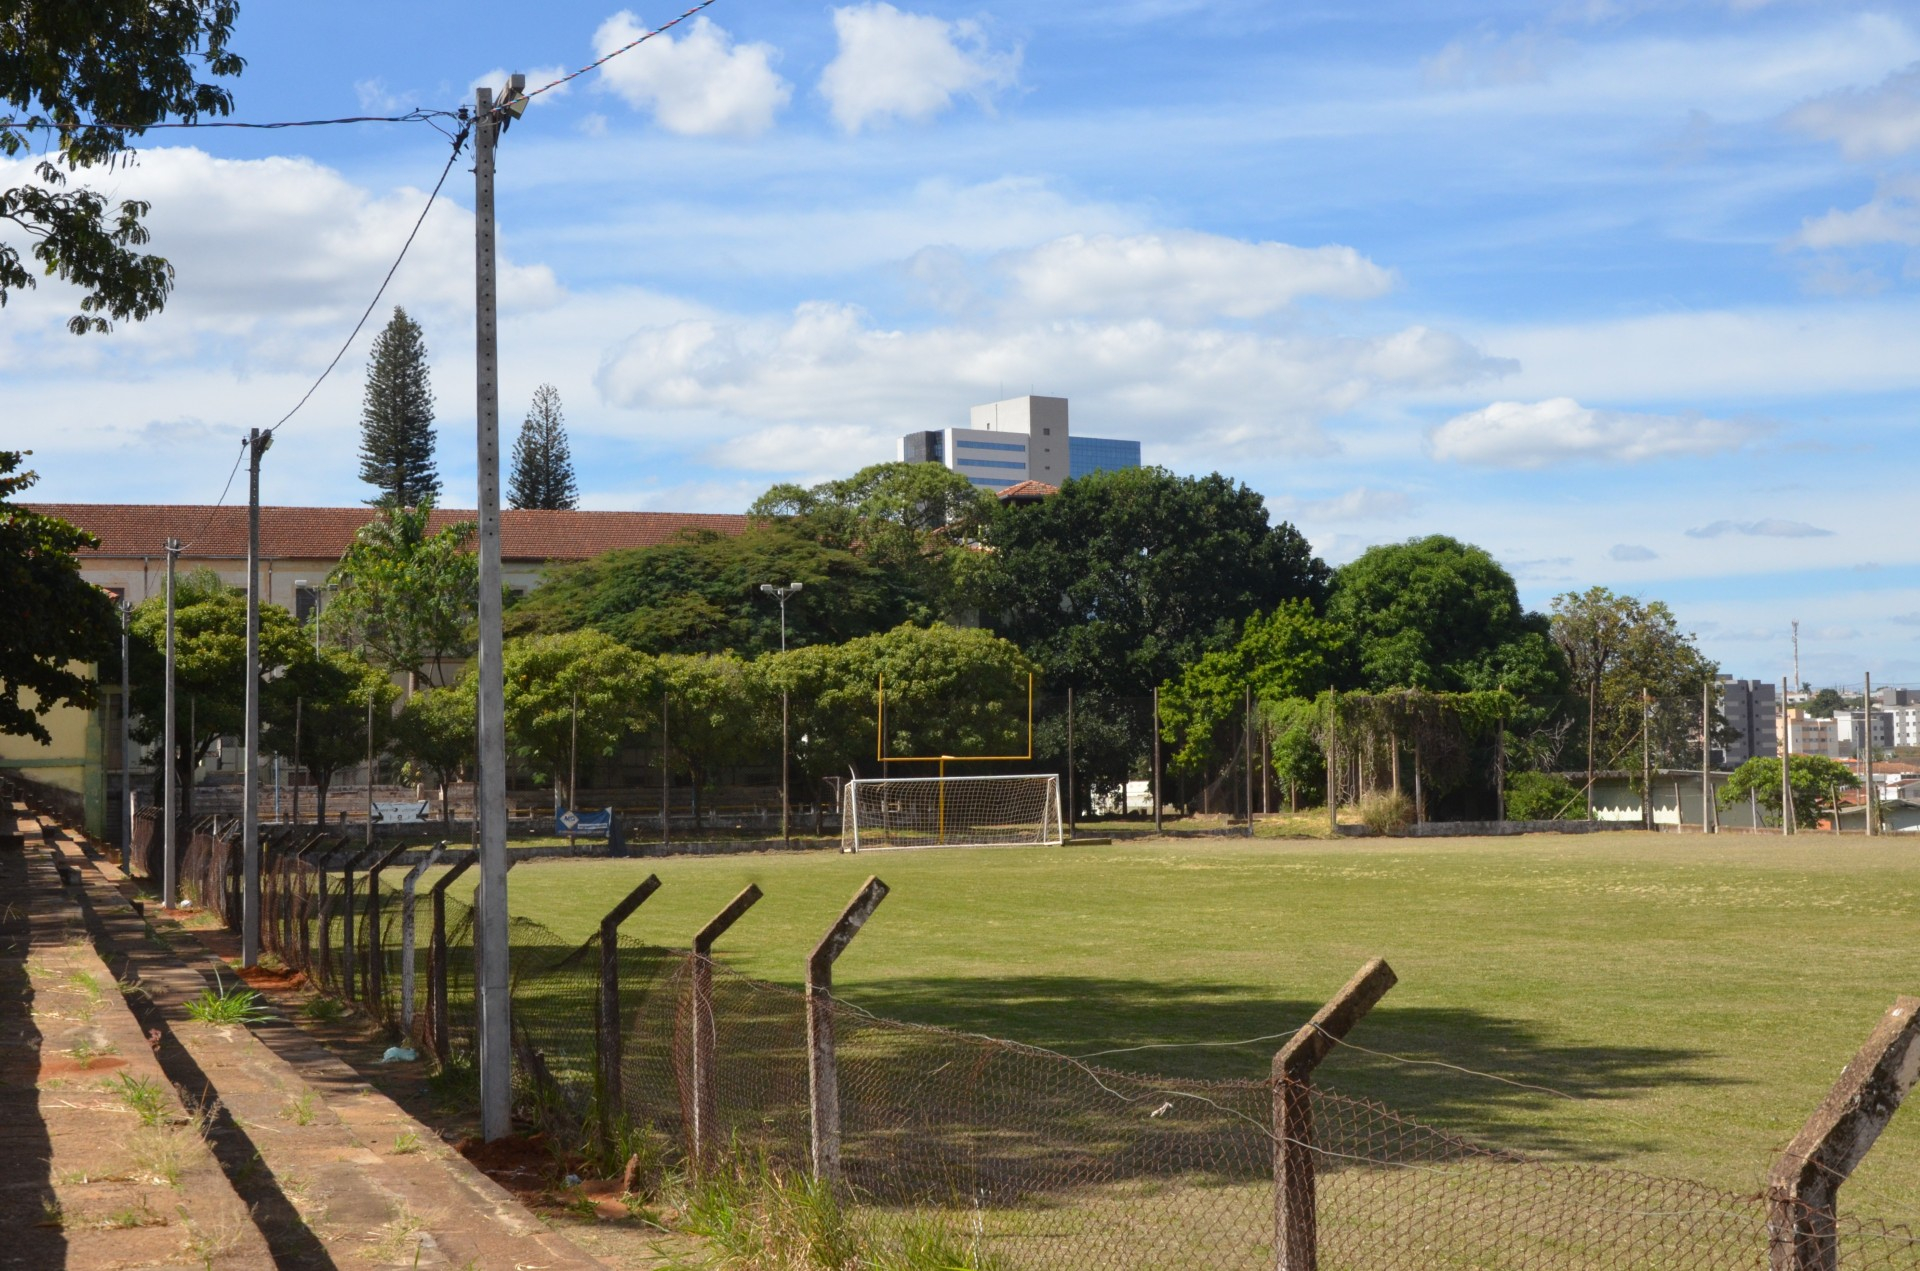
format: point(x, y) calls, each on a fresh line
point(437, 958)
point(406, 937)
point(608, 1097)
point(1803, 1185)
point(376, 970)
point(700, 1121)
point(1295, 1220)
point(823, 1081)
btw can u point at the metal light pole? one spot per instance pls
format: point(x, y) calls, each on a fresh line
point(257, 443)
point(490, 784)
point(169, 880)
point(781, 593)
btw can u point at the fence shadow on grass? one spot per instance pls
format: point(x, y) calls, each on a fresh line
point(1082, 1015)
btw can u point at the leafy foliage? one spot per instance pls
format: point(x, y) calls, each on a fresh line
point(1289, 653)
point(581, 689)
point(54, 618)
point(1124, 578)
point(405, 596)
point(96, 72)
point(1618, 648)
point(701, 594)
point(396, 418)
point(1435, 613)
point(438, 731)
point(1543, 796)
point(326, 696)
point(542, 471)
point(1815, 781)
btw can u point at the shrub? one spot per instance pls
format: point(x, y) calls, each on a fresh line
point(1385, 811)
point(1543, 796)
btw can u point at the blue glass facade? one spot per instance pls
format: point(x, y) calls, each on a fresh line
point(1088, 455)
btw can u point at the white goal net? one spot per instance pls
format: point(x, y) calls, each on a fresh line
point(883, 813)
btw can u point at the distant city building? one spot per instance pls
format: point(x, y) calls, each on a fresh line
point(1850, 729)
point(1751, 708)
point(1020, 439)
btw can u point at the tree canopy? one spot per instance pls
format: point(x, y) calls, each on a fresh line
point(574, 695)
point(318, 709)
point(1635, 669)
point(396, 418)
point(1289, 653)
point(82, 81)
point(437, 732)
point(54, 618)
point(1816, 779)
point(1126, 577)
point(1435, 613)
point(701, 594)
point(407, 597)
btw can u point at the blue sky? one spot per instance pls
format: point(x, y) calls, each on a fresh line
point(1623, 292)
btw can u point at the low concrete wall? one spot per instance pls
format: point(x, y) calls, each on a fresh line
point(1469, 829)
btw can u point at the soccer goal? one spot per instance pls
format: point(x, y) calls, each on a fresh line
point(890, 813)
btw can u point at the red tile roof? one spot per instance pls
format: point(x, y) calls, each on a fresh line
point(142, 529)
point(1029, 490)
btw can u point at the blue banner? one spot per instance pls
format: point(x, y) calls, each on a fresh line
point(584, 824)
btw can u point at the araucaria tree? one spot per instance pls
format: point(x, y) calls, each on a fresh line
point(542, 474)
point(396, 418)
point(63, 68)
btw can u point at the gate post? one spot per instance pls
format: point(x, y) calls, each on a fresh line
point(700, 1118)
point(608, 1096)
point(437, 958)
point(1804, 1184)
point(823, 1079)
point(1295, 1220)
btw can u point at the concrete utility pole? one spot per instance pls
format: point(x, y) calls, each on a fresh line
point(257, 443)
point(1786, 745)
point(169, 880)
point(781, 594)
point(1706, 757)
point(490, 786)
point(126, 736)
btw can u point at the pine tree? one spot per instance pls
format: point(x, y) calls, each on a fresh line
point(396, 418)
point(542, 464)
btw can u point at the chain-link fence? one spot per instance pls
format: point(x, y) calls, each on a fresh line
point(1020, 1157)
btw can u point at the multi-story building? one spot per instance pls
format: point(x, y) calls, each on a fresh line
point(1751, 708)
point(1020, 439)
point(1809, 736)
point(1904, 723)
point(1852, 728)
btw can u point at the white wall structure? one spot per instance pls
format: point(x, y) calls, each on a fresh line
point(1043, 420)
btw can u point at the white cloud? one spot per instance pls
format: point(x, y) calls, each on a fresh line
point(1362, 503)
point(1188, 389)
point(823, 451)
point(1892, 215)
point(1866, 123)
point(1187, 274)
point(894, 65)
point(374, 97)
point(1561, 430)
point(699, 84)
point(1835, 633)
point(496, 79)
point(1631, 552)
point(1771, 527)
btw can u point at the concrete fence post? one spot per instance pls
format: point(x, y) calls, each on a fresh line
point(376, 981)
point(1295, 1217)
point(437, 957)
point(406, 937)
point(608, 1096)
point(823, 1079)
point(700, 1117)
point(1803, 1185)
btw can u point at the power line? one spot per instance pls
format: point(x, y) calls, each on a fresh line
point(417, 115)
point(458, 142)
point(215, 509)
point(598, 62)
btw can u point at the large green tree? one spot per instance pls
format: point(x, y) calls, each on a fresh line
point(714, 719)
point(1289, 653)
point(701, 594)
point(542, 470)
point(55, 624)
point(327, 708)
point(1435, 613)
point(82, 79)
point(1124, 578)
point(1816, 782)
point(574, 696)
point(396, 418)
point(405, 596)
point(210, 665)
point(436, 731)
point(918, 523)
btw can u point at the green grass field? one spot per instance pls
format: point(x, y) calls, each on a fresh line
point(1695, 996)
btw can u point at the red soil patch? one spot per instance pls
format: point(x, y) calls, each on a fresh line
point(272, 981)
point(67, 1066)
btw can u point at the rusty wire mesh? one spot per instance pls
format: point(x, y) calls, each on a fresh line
point(1019, 1157)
